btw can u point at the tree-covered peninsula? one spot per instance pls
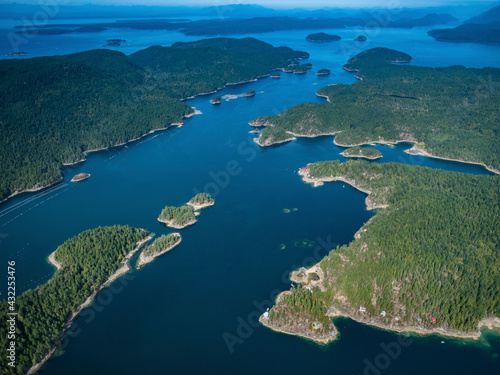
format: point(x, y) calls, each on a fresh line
point(428, 261)
point(362, 152)
point(177, 217)
point(453, 112)
point(88, 262)
point(160, 246)
point(55, 109)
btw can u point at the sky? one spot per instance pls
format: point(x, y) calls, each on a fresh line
point(266, 3)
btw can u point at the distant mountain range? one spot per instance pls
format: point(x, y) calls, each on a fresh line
point(221, 25)
point(484, 28)
point(17, 11)
point(491, 15)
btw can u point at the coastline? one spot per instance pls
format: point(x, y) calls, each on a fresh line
point(85, 153)
point(293, 137)
point(32, 190)
point(142, 136)
point(420, 331)
point(259, 124)
point(373, 142)
point(53, 261)
point(323, 340)
point(414, 150)
point(170, 223)
point(222, 88)
point(80, 177)
point(197, 207)
point(418, 151)
point(122, 270)
point(312, 135)
point(234, 83)
point(344, 154)
point(370, 205)
point(148, 259)
point(152, 131)
point(257, 140)
point(491, 323)
point(322, 95)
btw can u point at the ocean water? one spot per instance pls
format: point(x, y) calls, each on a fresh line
point(193, 310)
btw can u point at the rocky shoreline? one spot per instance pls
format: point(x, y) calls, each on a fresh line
point(347, 155)
point(302, 328)
point(197, 207)
point(144, 259)
point(370, 205)
point(80, 177)
point(37, 188)
point(171, 223)
point(302, 323)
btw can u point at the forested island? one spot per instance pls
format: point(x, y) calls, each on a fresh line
point(450, 111)
point(427, 262)
point(323, 72)
point(80, 177)
point(249, 93)
point(110, 98)
point(160, 246)
point(270, 24)
point(88, 262)
point(216, 99)
point(362, 152)
point(183, 216)
point(322, 37)
point(177, 217)
point(484, 28)
point(201, 200)
point(246, 23)
point(297, 68)
point(114, 42)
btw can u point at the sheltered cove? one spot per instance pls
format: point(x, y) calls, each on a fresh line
point(302, 327)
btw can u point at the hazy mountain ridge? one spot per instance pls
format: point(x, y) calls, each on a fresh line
point(484, 28)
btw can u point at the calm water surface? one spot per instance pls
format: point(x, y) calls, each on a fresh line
point(173, 315)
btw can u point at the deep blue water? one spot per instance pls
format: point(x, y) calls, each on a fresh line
point(176, 314)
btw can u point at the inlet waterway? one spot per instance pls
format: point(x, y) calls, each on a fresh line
point(194, 310)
